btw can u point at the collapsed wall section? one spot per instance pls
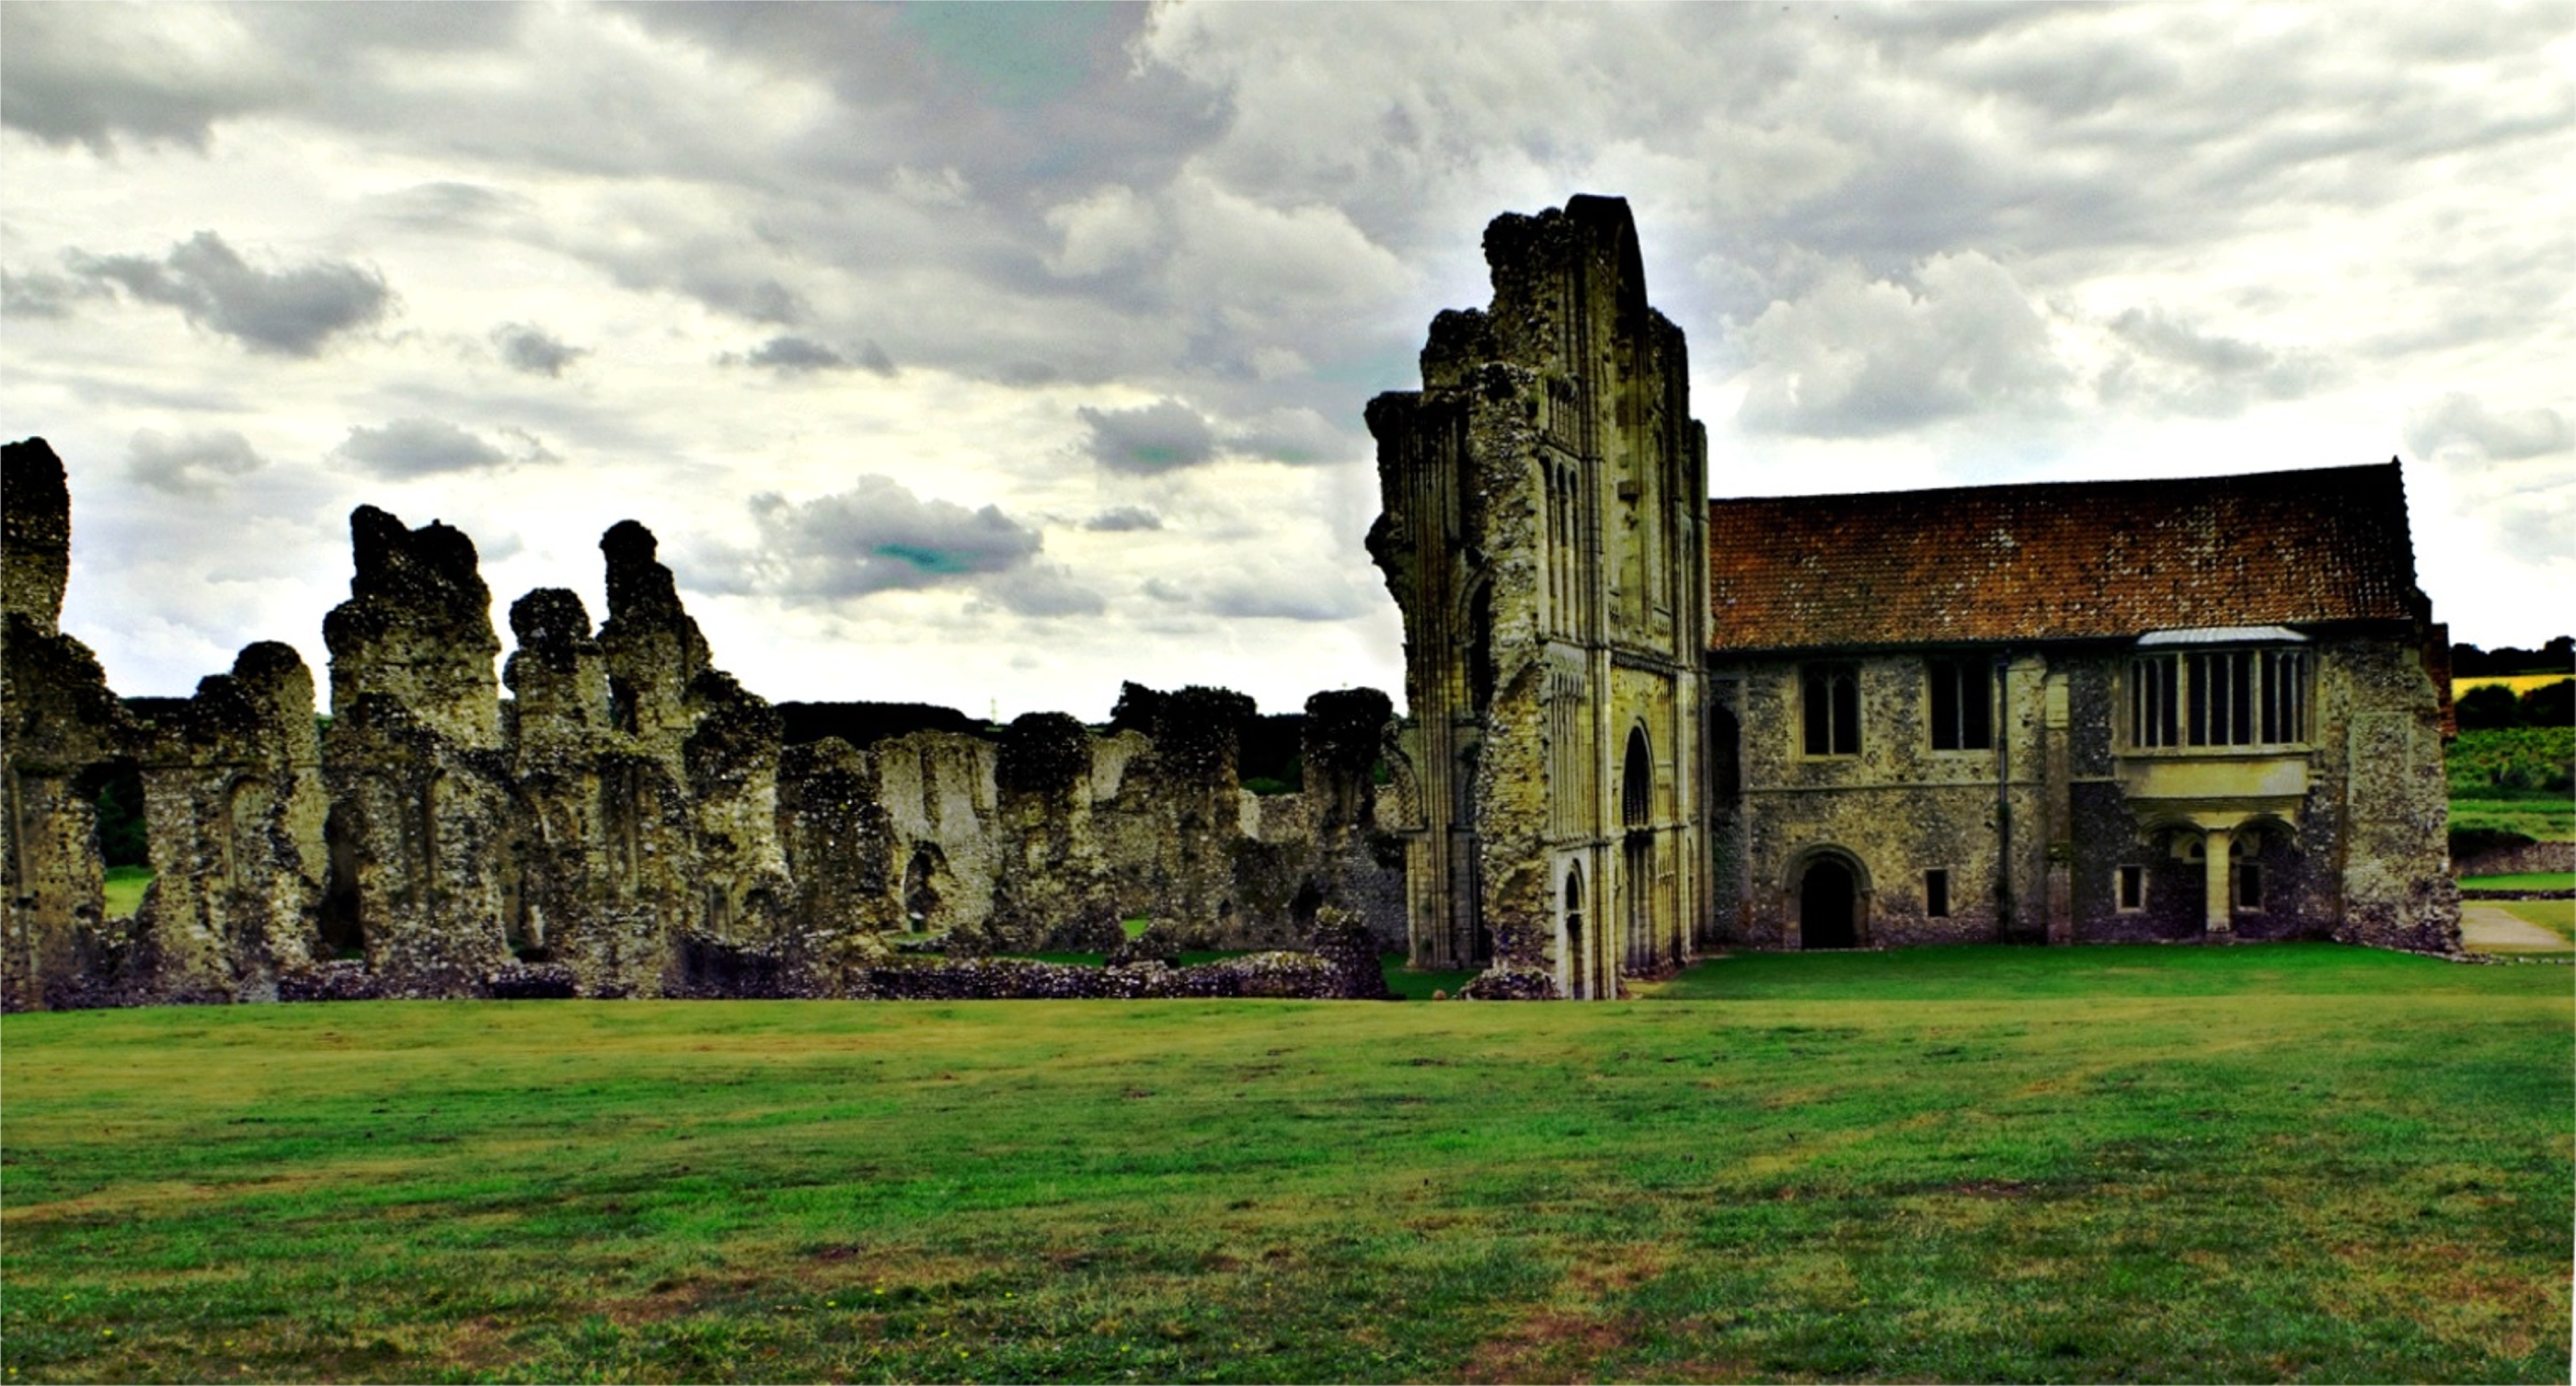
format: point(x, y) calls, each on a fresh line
point(628, 822)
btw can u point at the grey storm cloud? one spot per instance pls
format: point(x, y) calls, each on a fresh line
point(1296, 436)
point(290, 312)
point(420, 447)
point(88, 75)
point(1275, 591)
point(1043, 590)
point(42, 294)
point(2183, 369)
point(2460, 420)
point(878, 536)
point(190, 464)
point(792, 355)
point(1123, 519)
point(534, 350)
point(1159, 437)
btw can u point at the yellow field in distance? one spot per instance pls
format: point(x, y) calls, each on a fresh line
point(2519, 683)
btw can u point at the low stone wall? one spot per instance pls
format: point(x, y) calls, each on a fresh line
point(2519, 860)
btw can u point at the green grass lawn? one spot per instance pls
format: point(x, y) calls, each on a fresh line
point(2528, 880)
point(2542, 819)
point(125, 885)
point(2292, 1162)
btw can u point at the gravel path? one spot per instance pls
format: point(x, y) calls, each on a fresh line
point(2487, 926)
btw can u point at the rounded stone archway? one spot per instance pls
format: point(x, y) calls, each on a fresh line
point(1827, 894)
point(1828, 906)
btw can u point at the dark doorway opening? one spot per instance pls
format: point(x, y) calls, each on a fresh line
point(920, 886)
point(1825, 914)
point(343, 935)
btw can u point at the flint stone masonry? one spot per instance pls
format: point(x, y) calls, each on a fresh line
point(1545, 535)
point(630, 820)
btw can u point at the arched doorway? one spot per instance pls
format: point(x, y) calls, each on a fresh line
point(1825, 906)
point(921, 887)
point(1636, 812)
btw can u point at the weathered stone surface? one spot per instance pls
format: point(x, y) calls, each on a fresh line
point(1052, 888)
point(653, 648)
point(236, 808)
point(35, 534)
point(60, 729)
point(417, 629)
point(1544, 531)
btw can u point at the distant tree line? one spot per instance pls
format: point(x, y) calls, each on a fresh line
point(2556, 657)
point(2496, 707)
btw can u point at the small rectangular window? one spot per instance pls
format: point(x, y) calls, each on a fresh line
point(2133, 889)
point(1962, 705)
point(1831, 698)
point(1936, 894)
point(2249, 886)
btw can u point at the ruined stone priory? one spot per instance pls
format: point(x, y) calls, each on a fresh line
point(1641, 725)
point(630, 821)
point(1646, 724)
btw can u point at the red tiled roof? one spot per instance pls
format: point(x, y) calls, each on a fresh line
point(2060, 560)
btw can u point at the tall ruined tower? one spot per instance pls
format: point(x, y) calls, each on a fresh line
point(1545, 532)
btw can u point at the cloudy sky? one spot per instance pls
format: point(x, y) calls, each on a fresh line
point(992, 355)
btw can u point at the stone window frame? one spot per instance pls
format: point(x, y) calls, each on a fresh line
point(1938, 900)
point(2266, 677)
point(1982, 729)
point(1835, 721)
point(2124, 899)
point(2245, 886)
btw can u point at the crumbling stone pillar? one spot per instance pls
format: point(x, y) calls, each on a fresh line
point(839, 842)
point(57, 720)
point(653, 648)
point(1051, 887)
point(571, 910)
point(1343, 740)
point(420, 786)
point(1197, 767)
point(235, 802)
point(732, 758)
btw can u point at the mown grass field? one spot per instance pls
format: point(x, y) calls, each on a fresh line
point(2294, 1162)
point(124, 887)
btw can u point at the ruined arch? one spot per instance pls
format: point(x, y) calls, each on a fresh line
point(1638, 874)
point(339, 919)
point(923, 877)
point(1480, 647)
point(1572, 964)
point(1637, 781)
point(247, 801)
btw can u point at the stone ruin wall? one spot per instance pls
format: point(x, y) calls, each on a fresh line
point(628, 820)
